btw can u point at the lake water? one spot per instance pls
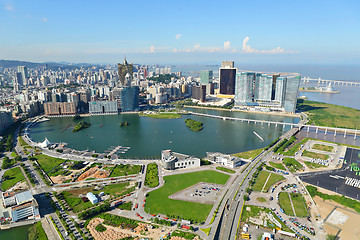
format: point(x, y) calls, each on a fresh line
point(19, 233)
point(147, 136)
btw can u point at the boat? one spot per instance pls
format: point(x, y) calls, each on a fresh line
point(101, 125)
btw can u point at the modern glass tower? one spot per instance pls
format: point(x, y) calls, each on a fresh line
point(227, 78)
point(291, 93)
point(206, 76)
point(129, 98)
point(244, 88)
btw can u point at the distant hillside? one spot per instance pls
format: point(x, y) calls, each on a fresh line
point(50, 65)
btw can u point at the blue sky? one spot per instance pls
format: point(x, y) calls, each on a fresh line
point(196, 31)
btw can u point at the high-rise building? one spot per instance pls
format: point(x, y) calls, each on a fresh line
point(24, 73)
point(255, 89)
point(6, 119)
point(244, 88)
point(199, 92)
point(291, 93)
point(129, 98)
point(103, 107)
point(206, 76)
point(59, 108)
point(227, 78)
point(123, 69)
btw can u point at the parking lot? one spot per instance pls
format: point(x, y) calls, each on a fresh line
point(206, 193)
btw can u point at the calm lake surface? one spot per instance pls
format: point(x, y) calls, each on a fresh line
point(147, 136)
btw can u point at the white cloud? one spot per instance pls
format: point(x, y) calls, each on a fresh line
point(45, 19)
point(178, 36)
point(227, 45)
point(152, 49)
point(248, 49)
point(9, 8)
point(197, 46)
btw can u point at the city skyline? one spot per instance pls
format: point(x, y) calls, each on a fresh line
point(186, 32)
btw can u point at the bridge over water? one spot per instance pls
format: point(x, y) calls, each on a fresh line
point(333, 82)
point(299, 125)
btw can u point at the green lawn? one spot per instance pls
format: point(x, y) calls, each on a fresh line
point(299, 204)
point(277, 165)
point(284, 202)
point(261, 180)
point(158, 201)
point(152, 175)
point(225, 169)
point(322, 147)
point(47, 163)
point(272, 180)
point(162, 115)
point(124, 170)
point(296, 147)
point(77, 205)
point(315, 155)
point(292, 164)
point(261, 199)
point(312, 165)
point(324, 114)
point(37, 232)
point(249, 154)
point(13, 154)
point(12, 177)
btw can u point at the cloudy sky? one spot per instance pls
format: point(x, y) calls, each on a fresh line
point(201, 31)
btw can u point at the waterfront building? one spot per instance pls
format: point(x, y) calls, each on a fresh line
point(129, 98)
point(206, 76)
point(6, 119)
point(291, 93)
point(227, 78)
point(224, 159)
point(199, 93)
point(20, 205)
point(264, 92)
point(124, 69)
point(59, 108)
point(103, 107)
point(92, 198)
point(171, 160)
point(244, 88)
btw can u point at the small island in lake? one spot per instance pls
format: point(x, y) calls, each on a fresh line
point(194, 125)
point(161, 115)
point(124, 124)
point(81, 125)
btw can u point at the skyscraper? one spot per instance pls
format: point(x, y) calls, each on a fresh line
point(263, 87)
point(129, 98)
point(206, 76)
point(244, 88)
point(291, 93)
point(24, 74)
point(227, 78)
point(123, 69)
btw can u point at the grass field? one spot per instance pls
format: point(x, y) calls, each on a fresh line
point(124, 170)
point(261, 199)
point(284, 202)
point(295, 148)
point(162, 115)
point(152, 175)
point(292, 164)
point(249, 154)
point(158, 201)
point(323, 147)
point(225, 169)
point(299, 204)
point(261, 181)
point(324, 114)
point(312, 165)
point(12, 176)
point(315, 155)
point(277, 165)
point(37, 232)
point(272, 180)
point(77, 205)
point(47, 163)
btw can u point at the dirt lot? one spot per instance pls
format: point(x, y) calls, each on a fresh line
point(94, 172)
point(339, 219)
point(200, 192)
point(114, 233)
